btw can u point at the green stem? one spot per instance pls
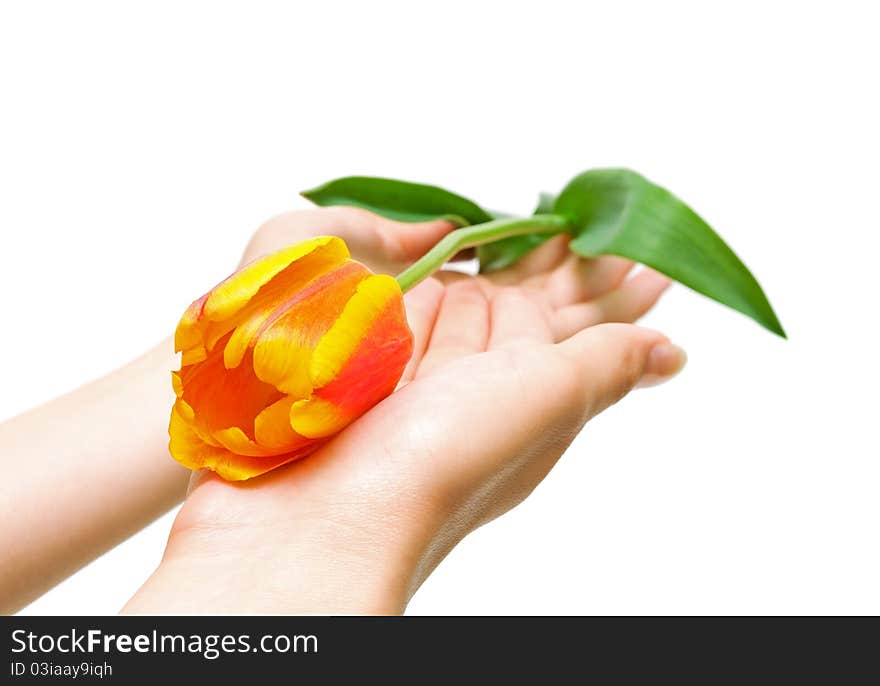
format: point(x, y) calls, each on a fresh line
point(472, 236)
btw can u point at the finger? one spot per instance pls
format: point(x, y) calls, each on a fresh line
point(626, 304)
point(351, 224)
point(461, 328)
point(407, 241)
point(450, 276)
point(612, 358)
point(383, 244)
point(398, 241)
point(516, 318)
point(539, 261)
point(578, 279)
point(664, 363)
point(422, 307)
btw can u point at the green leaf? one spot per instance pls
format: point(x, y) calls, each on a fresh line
point(508, 251)
point(399, 200)
point(546, 201)
point(619, 212)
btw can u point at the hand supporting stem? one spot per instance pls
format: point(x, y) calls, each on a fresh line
point(357, 526)
point(478, 234)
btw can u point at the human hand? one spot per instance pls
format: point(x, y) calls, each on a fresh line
point(506, 371)
point(385, 246)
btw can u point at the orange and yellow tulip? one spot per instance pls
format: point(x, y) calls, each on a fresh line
point(281, 356)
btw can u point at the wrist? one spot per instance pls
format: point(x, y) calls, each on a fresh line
point(298, 581)
point(303, 565)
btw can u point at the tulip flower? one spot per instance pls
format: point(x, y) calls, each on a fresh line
point(282, 355)
point(292, 348)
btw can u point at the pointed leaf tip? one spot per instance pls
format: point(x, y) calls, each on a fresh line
point(619, 212)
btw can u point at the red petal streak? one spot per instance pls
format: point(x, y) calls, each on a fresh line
point(374, 369)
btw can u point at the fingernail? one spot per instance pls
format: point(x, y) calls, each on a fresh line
point(664, 361)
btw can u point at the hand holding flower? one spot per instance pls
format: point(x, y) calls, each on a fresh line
point(293, 347)
point(506, 369)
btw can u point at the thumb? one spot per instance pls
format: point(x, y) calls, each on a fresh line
point(613, 358)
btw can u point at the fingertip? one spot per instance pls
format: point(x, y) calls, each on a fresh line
point(647, 282)
point(660, 281)
point(665, 360)
point(612, 359)
point(610, 336)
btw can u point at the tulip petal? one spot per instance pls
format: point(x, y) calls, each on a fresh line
point(299, 283)
point(272, 427)
point(223, 398)
point(185, 410)
point(203, 323)
point(187, 334)
point(368, 374)
point(317, 418)
point(177, 384)
point(283, 349)
point(193, 356)
point(284, 364)
point(192, 452)
point(236, 441)
point(234, 468)
point(186, 446)
point(339, 343)
point(235, 292)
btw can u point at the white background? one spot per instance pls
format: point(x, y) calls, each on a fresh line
point(139, 147)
